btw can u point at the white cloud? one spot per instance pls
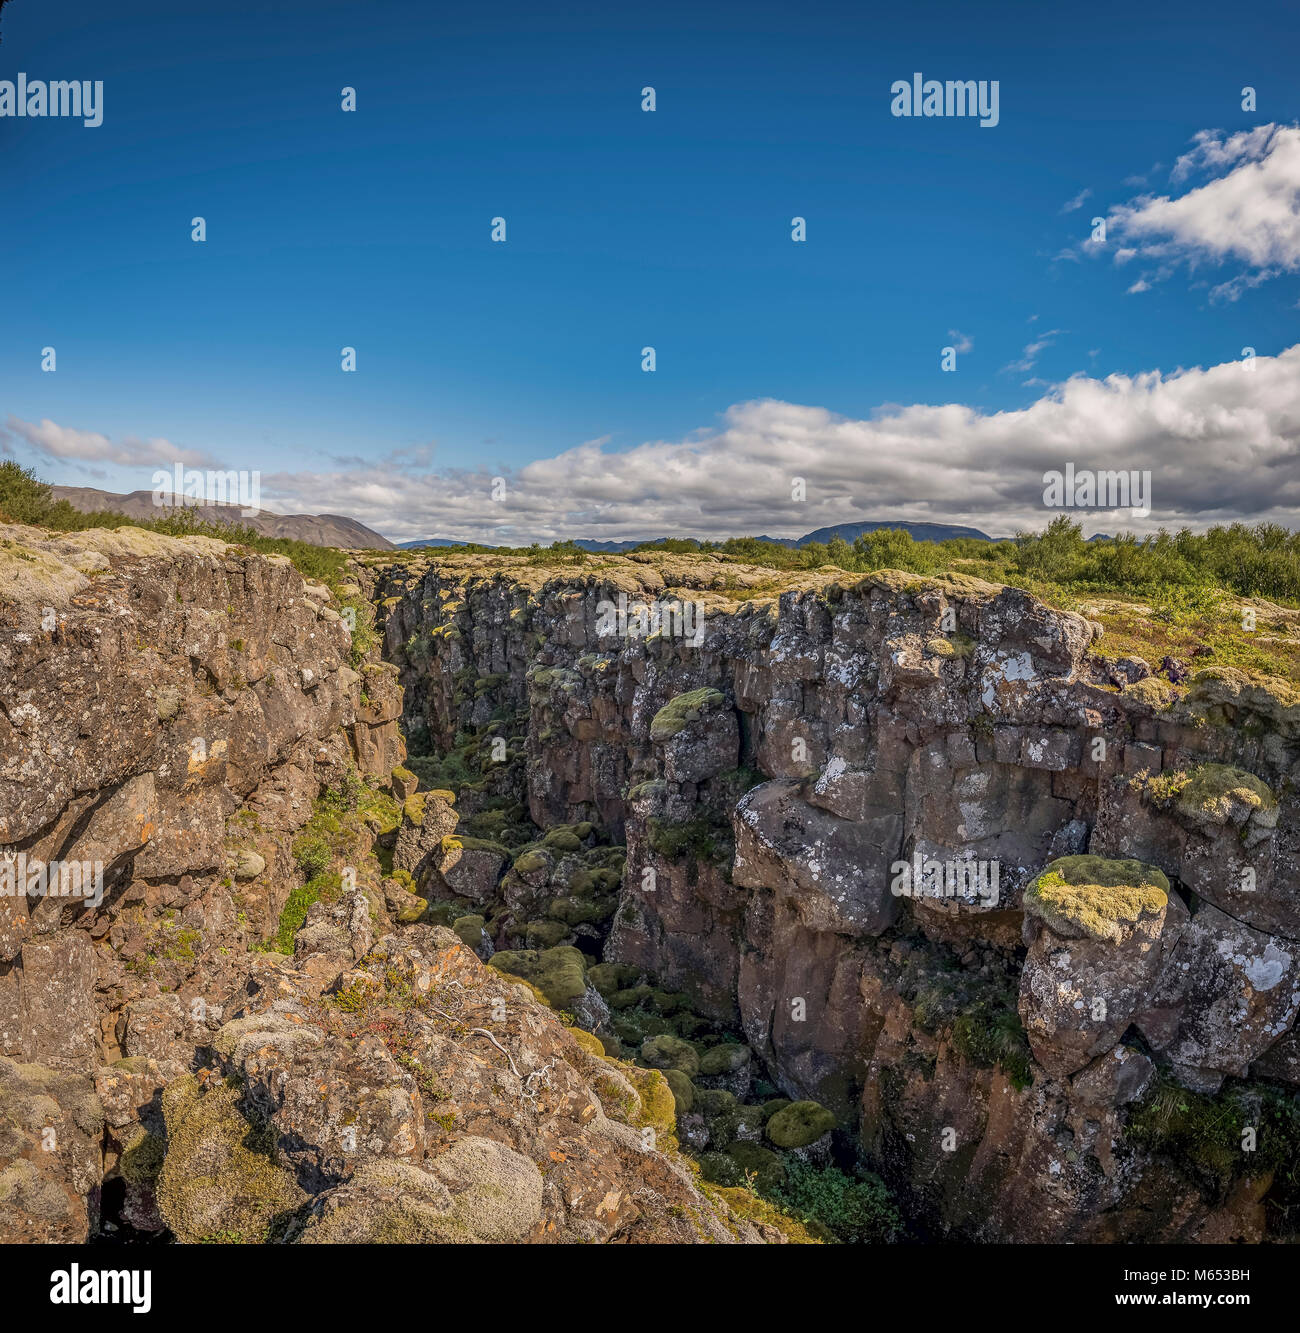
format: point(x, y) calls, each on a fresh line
point(1077, 202)
point(1214, 150)
point(961, 342)
point(62, 442)
point(1221, 443)
point(1249, 215)
point(1028, 359)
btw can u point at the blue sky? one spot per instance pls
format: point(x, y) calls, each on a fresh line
point(625, 229)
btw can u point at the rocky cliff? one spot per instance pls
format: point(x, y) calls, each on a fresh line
point(1018, 919)
point(223, 1014)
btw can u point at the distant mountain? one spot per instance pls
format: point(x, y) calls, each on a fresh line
point(436, 541)
point(315, 529)
point(921, 532)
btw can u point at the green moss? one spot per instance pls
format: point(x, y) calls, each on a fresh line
point(142, 1160)
point(686, 708)
point(683, 1090)
point(1205, 1134)
point(799, 1124)
point(559, 973)
point(658, 1109)
point(1152, 691)
point(545, 934)
point(531, 862)
point(587, 1040)
point(470, 930)
point(749, 1207)
point(724, 1059)
point(1214, 790)
point(713, 1103)
point(562, 840)
point(760, 1168)
point(1095, 896)
point(296, 908)
point(217, 1181)
point(669, 1052)
point(700, 839)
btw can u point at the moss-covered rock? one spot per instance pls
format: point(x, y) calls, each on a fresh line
point(559, 973)
point(680, 712)
point(588, 1041)
point(545, 934)
point(218, 1181)
point(611, 977)
point(1095, 897)
point(669, 1052)
point(724, 1059)
point(714, 1102)
point(683, 1090)
point(531, 863)
point(799, 1124)
point(470, 931)
point(562, 840)
point(1221, 794)
point(759, 1167)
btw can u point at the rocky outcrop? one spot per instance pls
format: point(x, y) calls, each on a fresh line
point(233, 1026)
point(854, 811)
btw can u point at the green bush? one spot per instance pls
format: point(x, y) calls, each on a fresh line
point(857, 1210)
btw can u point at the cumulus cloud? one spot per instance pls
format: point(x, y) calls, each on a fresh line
point(961, 342)
point(53, 441)
point(1221, 444)
point(1077, 202)
point(1247, 213)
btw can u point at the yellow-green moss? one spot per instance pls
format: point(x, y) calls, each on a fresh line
point(1152, 691)
point(217, 1181)
point(680, 712)
point(559, 973)
point(587, 1040)
point(747, 1206)
point(1212, 790)
point(1096, 896)
point(799, 1124)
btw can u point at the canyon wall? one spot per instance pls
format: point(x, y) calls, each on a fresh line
point(231, 1024)
point(998, 1054)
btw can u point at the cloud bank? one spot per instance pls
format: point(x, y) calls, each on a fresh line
point(1222, 443)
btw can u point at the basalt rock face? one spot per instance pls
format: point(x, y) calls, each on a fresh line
point(835, 801)
point(232, 1027)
